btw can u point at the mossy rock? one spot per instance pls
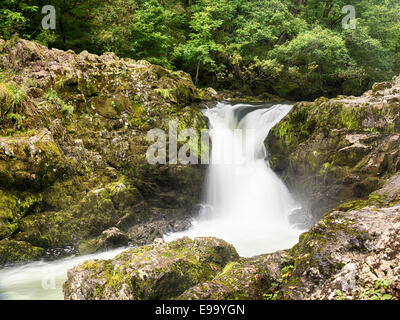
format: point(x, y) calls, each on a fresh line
point(111, 238)
point(159, 271)
point(332, 151)
point(12, 252)
point(72, 156)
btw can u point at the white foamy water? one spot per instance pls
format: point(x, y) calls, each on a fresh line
point(42, 280)
point(246, 203)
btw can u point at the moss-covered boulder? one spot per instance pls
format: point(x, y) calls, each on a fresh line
point(159, 271)
point(254, 278)
point(12, 252)
point(333, 151)
point(73, 144)
point(351, 253)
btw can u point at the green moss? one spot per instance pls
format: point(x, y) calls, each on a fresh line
point(351, 118)
point(160, 272)
point(228, 268)
point(15, 205)
point(325, 168)
point(352, 205)
point(17, 251)
point(165, 93)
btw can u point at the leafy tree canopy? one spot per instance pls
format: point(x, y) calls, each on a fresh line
point(295, 48)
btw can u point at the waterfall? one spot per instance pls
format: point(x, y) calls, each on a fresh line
point(245, 202)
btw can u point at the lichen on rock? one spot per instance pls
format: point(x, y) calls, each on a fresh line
point(12, 252)
point(73, 144)
point(159, 271)
point(333, 151)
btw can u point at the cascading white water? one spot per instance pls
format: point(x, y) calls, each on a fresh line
point(42, 280)
point(246, 203)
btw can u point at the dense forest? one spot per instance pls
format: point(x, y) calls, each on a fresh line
point(297, 49)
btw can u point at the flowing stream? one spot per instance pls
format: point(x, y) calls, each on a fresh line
point(42, 280)
point(245, 202)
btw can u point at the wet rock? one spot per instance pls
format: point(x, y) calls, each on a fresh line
point(110, 238)
point(333, 151)
point(73, 144)
point(160, 271)
point(12, 252)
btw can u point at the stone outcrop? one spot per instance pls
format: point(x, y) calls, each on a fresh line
point(159, 271)
point(73, 145)
point(333, 151)
point(343, 155)
point(353, 252)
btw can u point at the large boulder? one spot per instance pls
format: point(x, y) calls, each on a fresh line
point(12, 252)
point(159, 271)
point(333, 151)
point(352, 253)
point(110, 238)
point(253, 278)
point(73, 144)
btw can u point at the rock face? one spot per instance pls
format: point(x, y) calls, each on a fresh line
point(333, 151)
point(73, 144)
point(343, 154)
point(244, 279)
point(159, 271)
point(352, 253)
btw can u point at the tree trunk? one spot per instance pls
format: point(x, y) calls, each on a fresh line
point(197, 73)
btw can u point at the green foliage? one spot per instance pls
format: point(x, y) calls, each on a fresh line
point(15, 17)
point(52, 97)
point(314, 58)
point(297, 49)
point(287, 270)
point(142, 29)
point(11, 99)
point(378, 292)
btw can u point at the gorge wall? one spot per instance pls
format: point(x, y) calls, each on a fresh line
point(340, 154)
point(72, 151)
point(333, 151)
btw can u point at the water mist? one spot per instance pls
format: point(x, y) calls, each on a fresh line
point(245, 202)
